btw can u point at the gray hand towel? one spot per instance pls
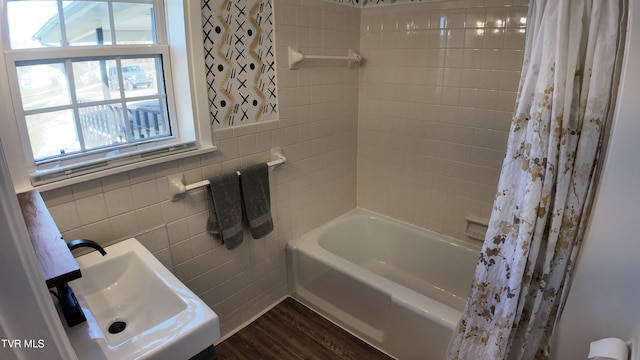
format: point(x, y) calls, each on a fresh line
point(254, 181)
point(225, 219)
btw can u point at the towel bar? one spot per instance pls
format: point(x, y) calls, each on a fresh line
point(177, 188)
point(296, 57)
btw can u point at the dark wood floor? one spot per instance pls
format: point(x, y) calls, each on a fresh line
point(292, 331)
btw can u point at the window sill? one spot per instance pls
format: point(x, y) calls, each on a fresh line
point(118, 165)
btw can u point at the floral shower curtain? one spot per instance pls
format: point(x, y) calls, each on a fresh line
point(546, 183)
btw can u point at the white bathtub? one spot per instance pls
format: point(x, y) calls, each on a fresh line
point(399, 287)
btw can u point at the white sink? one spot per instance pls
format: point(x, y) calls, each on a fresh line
point(164, 319)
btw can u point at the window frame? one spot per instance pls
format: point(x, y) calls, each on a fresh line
point(61, 54)
point(187, 104)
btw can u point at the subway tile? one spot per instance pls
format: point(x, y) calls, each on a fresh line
point(195, 266)
point(503, 120)
point(468, 99)
point(115, 181)
point(286, 16)
point(86, 189)
point(58, 196)
point(474, 38)
point(487, 99)
point(506, 101)
point(302, 16)
point(181, 252)
point(482, 137)
point(466, 4)
point(492, 59)
point(149, 217)
point(145, 193)
point(438, 20)
point(65, 215)
point(142, 174)
point(496, 17)
point(490, 79)
point(405, 39)
point(328, 19)
point(201, 243)
point(452, 77)
point(197, 223)
point(163, 188)
point(472, 58)
point(516, 16)
point(512, 60)
point(437, 38)
point(124, 225)
point(421, 20)
point(509, 80)
point(178, 231)
point(456, 19)
point(92, 209)
point(476, 18)
point(470, 78)
point(119, 201)
point(514, 38)
point(456, 38)
point(229, 149)
point(223, 133)
point(173, 210)
point(164, 256)
point(494, 38)
point(100, 232)
point(405, 21)
point(154, 240)
point(248, 145)
point(450, 96)
point(454, 58)
point(389, 22)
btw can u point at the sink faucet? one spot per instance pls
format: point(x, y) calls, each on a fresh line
point(85, 243)
point(69, 305)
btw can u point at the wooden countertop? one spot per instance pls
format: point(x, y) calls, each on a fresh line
point(56, 261)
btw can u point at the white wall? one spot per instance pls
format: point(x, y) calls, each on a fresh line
point(605, 296)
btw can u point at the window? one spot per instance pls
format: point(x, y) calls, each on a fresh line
point(99, 113)
point(91, 81)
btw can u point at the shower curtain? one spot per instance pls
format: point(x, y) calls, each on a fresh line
point(546, 183)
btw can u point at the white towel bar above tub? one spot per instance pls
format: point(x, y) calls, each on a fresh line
point(296, 57)
point(177, 188)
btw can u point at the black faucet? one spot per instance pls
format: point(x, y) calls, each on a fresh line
point(85, 243)
point(69, 305)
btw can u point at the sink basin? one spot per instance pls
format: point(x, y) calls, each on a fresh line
point(137, 309)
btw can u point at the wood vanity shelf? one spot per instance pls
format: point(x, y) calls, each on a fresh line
point(56, 261)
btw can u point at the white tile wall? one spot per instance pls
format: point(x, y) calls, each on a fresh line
point(436, 98)
point(317, 132)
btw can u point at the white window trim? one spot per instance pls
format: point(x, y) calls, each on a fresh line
point(184, 36)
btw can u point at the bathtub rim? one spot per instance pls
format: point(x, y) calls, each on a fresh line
point(469, 246)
